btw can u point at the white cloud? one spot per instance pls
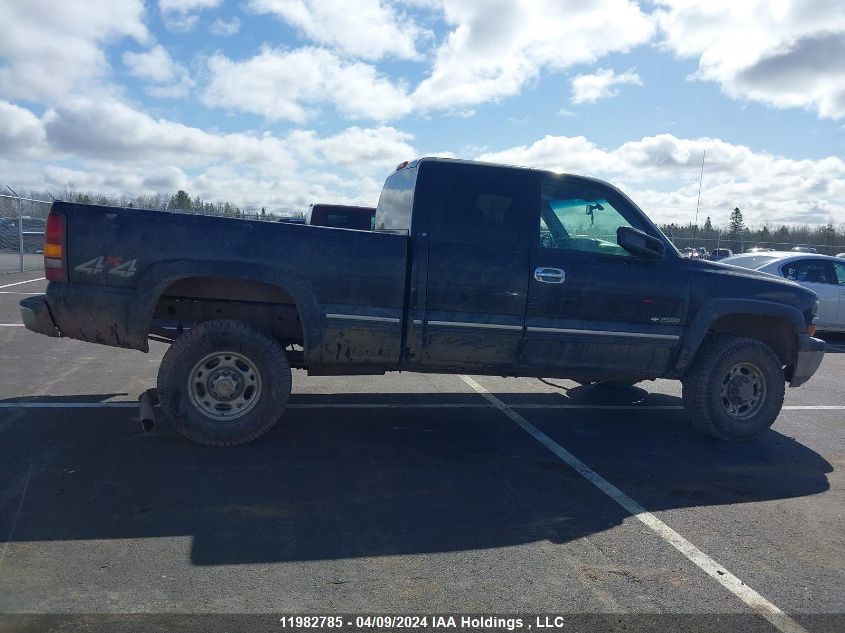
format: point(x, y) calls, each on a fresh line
point(370, 29)
point(280, 84)
point(182, 15)
point(661, 174)
point(601, 85)
point(116, 149)
point(107, 129)
point(789, 53)
point(21, 132)
point(48, 48)
point(168, 77)
point(223, 28)
point(184, 6)
point(496, 47)
point(357, 149)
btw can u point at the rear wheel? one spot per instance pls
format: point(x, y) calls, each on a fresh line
point(735, 389)
point(224, 383)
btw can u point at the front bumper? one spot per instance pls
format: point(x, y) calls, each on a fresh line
point(36, 316)
point(807, 360)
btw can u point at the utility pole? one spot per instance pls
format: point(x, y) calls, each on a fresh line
point(698, 203)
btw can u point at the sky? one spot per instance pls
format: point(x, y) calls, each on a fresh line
point(284, 103)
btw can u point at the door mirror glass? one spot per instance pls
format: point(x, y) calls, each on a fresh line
point(640, 243)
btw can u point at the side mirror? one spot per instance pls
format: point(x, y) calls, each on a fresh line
point(638, 243)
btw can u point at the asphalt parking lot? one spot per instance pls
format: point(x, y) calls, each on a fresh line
point(412, 494)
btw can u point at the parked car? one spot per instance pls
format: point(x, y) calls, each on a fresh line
point(840, 255)
point(455, 278)
point(292, 220)
point(341, 216)
point(822, 274)
point(804, 248)
point(760, 249)
point(719, 253)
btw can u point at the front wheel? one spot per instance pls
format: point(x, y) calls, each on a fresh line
point(735, 388)
point(224, 383)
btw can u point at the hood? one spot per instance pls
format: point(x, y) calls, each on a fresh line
point(716, 280)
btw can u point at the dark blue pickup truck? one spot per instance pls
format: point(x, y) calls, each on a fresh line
point(471, 267)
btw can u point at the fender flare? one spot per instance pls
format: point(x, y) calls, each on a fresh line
point(158, 277)
point(715, 309)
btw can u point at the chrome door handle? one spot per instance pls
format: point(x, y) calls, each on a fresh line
point(549, 275)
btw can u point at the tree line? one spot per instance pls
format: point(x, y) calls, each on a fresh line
point(739, 237)
point(180, 201)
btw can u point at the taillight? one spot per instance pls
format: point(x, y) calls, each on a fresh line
point(55, 242)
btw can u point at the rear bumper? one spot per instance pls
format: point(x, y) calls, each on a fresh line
point(807, 360)
point(94, 314)
point(36, 316)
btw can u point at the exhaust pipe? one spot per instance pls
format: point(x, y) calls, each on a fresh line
point(146, 413)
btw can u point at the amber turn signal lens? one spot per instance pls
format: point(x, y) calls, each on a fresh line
point(811, 330)
point(52, 250)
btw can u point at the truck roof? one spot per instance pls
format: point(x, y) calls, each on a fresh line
point(463, 161)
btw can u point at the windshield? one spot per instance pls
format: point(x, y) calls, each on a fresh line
point(749, 261)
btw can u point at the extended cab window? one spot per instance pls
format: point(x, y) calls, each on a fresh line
point(479, 205)
point(397, 198)
point(813, 271)
point(579, 218)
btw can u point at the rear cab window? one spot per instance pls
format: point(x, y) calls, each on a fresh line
point(393, 213)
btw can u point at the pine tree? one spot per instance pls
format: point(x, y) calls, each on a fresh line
point(736, 225)
point(181, 201)
point(708, 226)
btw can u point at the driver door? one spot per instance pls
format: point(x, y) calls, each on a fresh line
point(592, 306)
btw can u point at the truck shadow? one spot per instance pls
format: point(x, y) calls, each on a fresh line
point(332, 481)
point(835, 342)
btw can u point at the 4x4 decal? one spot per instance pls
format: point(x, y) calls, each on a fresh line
point(98, 264)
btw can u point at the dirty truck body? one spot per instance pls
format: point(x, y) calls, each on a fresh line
point(472, 267)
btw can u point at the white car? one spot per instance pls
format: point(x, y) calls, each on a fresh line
point(823, 274)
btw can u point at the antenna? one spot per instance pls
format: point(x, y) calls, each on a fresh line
point(698, 203)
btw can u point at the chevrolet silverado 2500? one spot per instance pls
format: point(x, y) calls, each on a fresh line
point(471, 267)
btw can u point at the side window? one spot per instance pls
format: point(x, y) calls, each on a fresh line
point(813, 271)
point(479, 205)
point(579, 218)
point(839, 269)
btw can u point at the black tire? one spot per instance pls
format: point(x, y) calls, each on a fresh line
point(734, 390)
point(180, 392)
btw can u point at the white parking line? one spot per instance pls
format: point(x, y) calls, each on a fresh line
point(11, 324)
point(420, 405)
point(18, 283)
point(754, 600)
point(17, 515)
point(16, 292)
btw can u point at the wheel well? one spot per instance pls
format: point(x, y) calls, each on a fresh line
point(774, 332)
point(267, 306)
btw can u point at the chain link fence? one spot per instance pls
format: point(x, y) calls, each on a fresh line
point(22, 224)
point(743, 246)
